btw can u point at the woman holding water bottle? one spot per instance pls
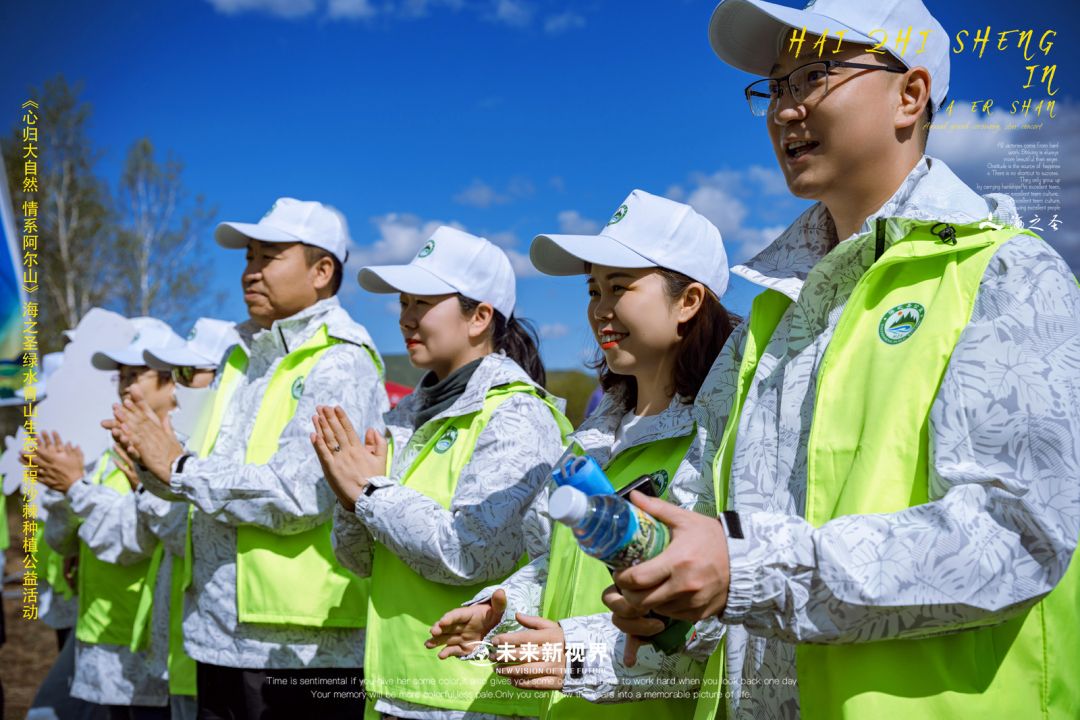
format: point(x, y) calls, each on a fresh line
point(655, 276)
point(437, 515)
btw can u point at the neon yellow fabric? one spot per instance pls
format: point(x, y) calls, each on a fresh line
point(272, 569)
point(404, 605)
point(869, 453)
point(108, 593)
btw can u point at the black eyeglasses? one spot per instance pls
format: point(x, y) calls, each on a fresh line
point(806, 83)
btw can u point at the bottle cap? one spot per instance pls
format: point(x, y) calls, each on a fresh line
point(568, 505)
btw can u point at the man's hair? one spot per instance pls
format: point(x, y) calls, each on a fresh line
point(924, 122)
point(314, 254)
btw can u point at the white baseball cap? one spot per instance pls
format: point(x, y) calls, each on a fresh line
point(289, 221)
point(452, 261)
point(646, 231)
point(205, 347)
point(749, 34)
point(149, 333)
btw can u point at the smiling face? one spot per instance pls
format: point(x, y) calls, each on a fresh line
point(634, 320)
point(845, 142)
point(439, 336)
point(278, 282)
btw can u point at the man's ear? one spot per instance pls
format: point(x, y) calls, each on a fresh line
point(323, 273)
point(914, 97)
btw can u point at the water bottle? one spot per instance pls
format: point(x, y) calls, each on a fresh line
point(620, 535)
point(584, 474)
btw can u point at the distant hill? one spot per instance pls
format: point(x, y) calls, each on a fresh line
point(573, 385)
point(400, 370)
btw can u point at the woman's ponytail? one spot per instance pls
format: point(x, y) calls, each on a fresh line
point(516, 337)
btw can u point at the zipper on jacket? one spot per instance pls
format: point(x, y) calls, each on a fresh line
point(284, 344)
point(879, 239)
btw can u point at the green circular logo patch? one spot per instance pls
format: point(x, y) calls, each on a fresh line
point(661, 480)
point(298, 387)
point(619, 215)
point(900, 323)
point(426, 250)
point(446, 441)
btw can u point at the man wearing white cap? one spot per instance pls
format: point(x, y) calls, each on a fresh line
point(270, 615)
point(107, 671)
point(895, 435)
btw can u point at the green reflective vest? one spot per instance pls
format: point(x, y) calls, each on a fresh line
point(275, 573)
point(869, 453)
point(404, 605)
point(108, 593)
point(576, 581)
point(181, 665)
point(51, 566)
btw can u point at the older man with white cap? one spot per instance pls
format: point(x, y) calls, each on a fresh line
point(261, 637)
point(895, 434)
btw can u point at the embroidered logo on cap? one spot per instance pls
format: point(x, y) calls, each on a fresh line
point(427, 249)
point(619, 215)
point(900, 323)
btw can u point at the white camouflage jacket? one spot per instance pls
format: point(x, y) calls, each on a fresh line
point(113, 674)
point(287, 495)
point(1004, 510)
point(481, 536)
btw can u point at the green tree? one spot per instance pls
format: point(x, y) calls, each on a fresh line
point(159, 238)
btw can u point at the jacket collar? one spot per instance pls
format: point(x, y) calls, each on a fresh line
point(287, 334)
point(596, 435)
point(494, 371)
point(930, 192)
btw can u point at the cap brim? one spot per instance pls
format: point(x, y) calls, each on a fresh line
point(176, 357)
point(112, 359)
point(237, 235)
point(746, 33)
point(402, 278)
point(568, 254)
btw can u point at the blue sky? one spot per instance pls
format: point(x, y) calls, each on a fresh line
point(506, 117)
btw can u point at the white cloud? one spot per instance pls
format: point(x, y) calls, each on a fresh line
point(572, 223)
point(515, 13)
point(480, 194)
point(720, 197)
point(351, 9)
point(563, 22)
point(768, 180)
point(511, 13)
point(401, 235)
point(553, 331)
point(968, 152)
point(279, 8)
point(721, 207)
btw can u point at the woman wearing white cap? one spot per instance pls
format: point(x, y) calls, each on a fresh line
point(655, 276)
point(470, 449)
